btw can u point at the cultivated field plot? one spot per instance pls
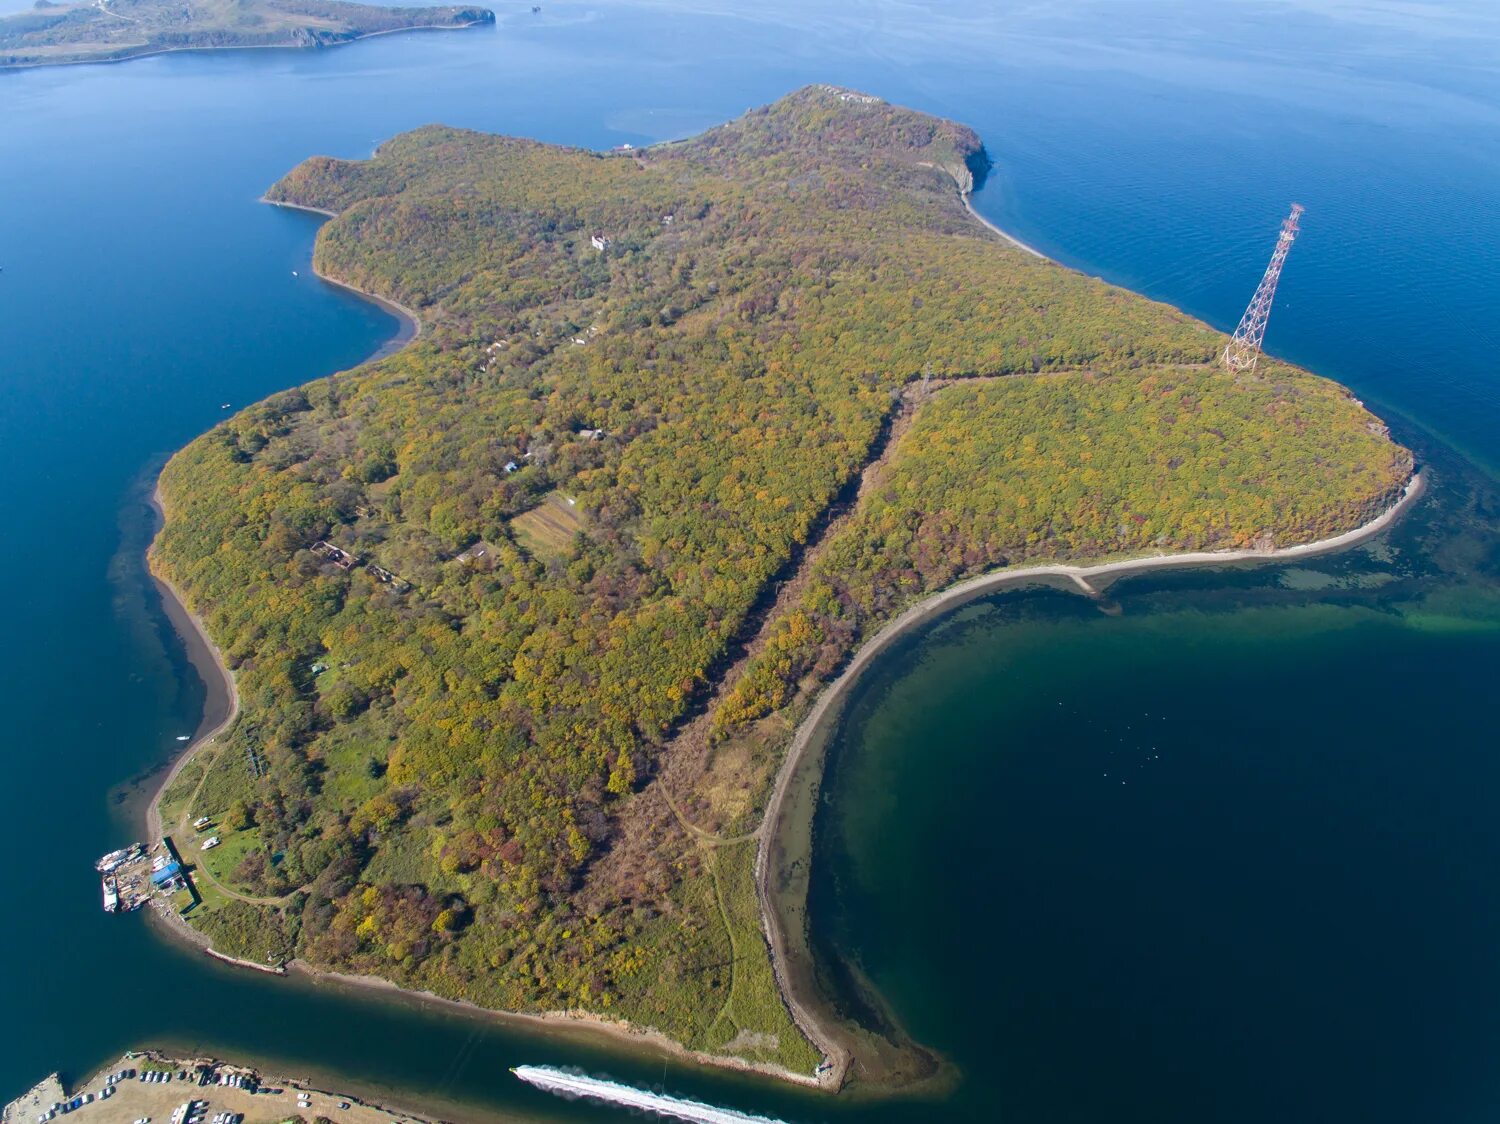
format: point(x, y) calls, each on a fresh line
point(547, 530)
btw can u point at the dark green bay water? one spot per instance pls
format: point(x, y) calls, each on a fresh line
point(1288, 910)
point(1224, 852)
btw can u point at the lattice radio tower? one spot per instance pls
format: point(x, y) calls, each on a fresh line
point(1244, 349)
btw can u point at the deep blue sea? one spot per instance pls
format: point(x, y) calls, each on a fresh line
point(1289, 911)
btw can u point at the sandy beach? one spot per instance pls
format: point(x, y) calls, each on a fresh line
point(785, 839)
point(222, 704)
point(582, 1022)
point(1011, 238)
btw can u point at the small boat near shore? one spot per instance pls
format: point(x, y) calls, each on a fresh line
point(111, 895)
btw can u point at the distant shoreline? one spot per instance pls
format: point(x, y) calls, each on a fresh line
point(791, 958)
point(151, 52)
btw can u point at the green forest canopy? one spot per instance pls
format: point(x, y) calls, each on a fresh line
point(452, 762)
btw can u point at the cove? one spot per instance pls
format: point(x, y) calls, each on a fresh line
point(1175, 860)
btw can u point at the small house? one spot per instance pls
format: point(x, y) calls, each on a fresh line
point(480, 553)
point(166, 874)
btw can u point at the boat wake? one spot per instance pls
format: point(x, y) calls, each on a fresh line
point(566, 1084)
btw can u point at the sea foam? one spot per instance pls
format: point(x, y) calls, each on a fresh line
point(566, 1084)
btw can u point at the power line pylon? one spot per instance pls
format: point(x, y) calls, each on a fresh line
point(1244, 349)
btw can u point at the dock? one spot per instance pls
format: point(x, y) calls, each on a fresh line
point(136, 875)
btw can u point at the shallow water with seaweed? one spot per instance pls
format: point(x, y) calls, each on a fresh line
point(1214, 848)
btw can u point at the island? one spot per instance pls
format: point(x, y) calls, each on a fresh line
point(53, 33)
point(530, 626)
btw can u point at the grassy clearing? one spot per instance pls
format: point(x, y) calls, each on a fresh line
point(266, 936)
point(174, 799)
point(222, 860)
point(228, 779)
point(404, 858)
point(347, 752)
point(754, 1022)
point(547, 530)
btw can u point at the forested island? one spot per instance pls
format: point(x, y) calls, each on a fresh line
point(523, 617)
point(54, 33)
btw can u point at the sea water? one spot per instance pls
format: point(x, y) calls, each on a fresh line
point(1098, 950)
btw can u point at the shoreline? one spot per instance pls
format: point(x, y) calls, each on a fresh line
point(582, 1022)
point(967, 195)
point(208, 661)
point(791, 959)
point(791, 966)
point(147, 54)
point(221, 697)
point(411, 323)
point(201, 652)
point(221, 693)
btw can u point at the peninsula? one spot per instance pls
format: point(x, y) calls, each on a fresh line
point(524, 618)
point(53, 33)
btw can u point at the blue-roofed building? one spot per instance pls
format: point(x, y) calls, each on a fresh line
point(166, 874)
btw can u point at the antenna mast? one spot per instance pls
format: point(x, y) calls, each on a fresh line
point(1244, 349)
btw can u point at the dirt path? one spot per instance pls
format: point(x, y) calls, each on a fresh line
point(685, 754)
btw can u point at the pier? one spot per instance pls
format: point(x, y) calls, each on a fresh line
point(137, 875)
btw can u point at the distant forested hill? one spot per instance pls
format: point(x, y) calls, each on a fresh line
point(108, 30)
point(512, 612)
